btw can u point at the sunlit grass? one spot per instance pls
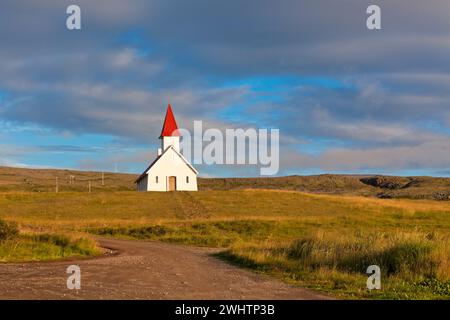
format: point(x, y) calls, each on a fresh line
point(320, 241)
point(44, 247)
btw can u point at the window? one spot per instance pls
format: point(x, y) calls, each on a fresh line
point(156, 180)
point(187, 179)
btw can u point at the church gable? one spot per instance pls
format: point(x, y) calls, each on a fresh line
point(173, 159)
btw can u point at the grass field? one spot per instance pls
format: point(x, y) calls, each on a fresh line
point(320, 241)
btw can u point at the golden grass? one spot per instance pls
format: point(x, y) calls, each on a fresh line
point(47, 246)
point(410, 205)
point(259, 227)
point(260, 223)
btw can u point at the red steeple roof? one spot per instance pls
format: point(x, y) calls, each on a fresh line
point(170, 128)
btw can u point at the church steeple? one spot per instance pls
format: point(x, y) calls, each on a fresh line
point(170, 135)
point(170, 127)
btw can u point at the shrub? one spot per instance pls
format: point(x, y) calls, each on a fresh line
point(435, 285)
point(66, 245)
point(56, 239)
point(147, 232)
point(301, 249)
point(404, 255)
point(107, 231)
point(8, 230)
point(244, 227)
point(405, 258)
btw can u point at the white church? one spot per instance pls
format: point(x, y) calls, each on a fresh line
point(170, 171)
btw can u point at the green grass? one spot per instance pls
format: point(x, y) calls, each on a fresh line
point(45, 247)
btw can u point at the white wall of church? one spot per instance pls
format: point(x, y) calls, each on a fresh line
point(171, 141)
point(170, 164)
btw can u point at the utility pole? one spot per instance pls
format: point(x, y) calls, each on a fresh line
point(103, 178)
point(89, 186)
point(56, 187)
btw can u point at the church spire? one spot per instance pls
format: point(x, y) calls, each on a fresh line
point(170, 128)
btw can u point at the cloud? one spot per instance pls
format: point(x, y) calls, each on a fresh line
point(120, 161)
point(10, 155)
point(424, 156)
point(369, 131)
point(309, 68)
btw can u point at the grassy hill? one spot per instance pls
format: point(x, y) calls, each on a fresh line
point(44, 180)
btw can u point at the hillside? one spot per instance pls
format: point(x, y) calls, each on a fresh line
point(44, 180)
point(379, 186)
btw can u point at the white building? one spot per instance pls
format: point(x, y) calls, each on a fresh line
point(170, 171)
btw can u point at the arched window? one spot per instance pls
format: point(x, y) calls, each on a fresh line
point(156, 179)
point(187, 179)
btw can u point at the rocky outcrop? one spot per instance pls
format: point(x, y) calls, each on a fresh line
point(386, 182)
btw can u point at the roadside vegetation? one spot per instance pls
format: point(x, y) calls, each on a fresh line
point(18, 247)
point(414, 265)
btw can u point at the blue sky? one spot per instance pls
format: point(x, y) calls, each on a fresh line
point(346, 99)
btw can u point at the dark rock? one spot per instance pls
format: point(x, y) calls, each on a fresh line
point(386, 182)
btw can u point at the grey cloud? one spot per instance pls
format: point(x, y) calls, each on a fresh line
point(88, 81)
point(108, 109)
point(252, 36)
point(368, 111)
point(428, 155)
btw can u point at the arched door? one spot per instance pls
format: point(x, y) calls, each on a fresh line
point(172, 183)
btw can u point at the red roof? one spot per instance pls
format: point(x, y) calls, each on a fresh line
point(170, 128)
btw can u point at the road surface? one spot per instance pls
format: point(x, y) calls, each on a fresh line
point(144, 270)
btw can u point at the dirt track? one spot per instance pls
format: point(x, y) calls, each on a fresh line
point(144, 270)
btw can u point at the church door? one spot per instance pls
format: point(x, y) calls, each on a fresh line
point(172, 183)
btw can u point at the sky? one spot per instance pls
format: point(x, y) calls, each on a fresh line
point(345, 99)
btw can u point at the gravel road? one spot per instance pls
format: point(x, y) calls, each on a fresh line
point(144, 270)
